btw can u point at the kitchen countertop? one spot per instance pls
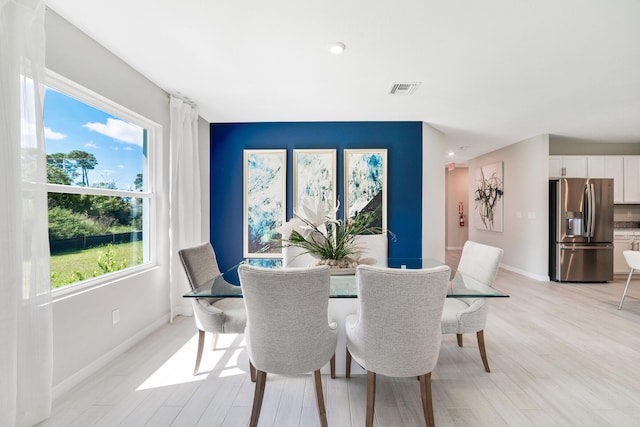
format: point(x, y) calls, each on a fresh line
point(626, 232)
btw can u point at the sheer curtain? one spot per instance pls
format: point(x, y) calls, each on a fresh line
point(25, 290)
point(185, 201)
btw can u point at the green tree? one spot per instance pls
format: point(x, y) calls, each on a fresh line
point(86, 162)
point(138, 182)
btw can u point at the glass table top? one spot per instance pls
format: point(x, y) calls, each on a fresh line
point(227, 285)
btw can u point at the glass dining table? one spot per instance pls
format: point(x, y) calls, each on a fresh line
point(343, 282)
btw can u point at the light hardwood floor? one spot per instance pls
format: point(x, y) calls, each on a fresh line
point(560, 355)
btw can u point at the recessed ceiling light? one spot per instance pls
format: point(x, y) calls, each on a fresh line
point(337, 48)
point(451, 153)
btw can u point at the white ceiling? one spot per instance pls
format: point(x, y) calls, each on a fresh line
point(493, 72)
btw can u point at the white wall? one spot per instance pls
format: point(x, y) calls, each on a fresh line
point(433, 193)
point(526, 206)
point(84, 337)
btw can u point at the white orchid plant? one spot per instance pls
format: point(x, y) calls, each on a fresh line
point(322, 235)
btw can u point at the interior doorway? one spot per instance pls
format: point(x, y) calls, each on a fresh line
point(457, 207)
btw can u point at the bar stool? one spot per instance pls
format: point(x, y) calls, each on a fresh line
point(633, 259)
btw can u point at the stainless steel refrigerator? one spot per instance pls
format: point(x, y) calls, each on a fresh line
point(581, 230)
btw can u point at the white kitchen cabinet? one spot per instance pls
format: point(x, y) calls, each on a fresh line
point(608, 167)
point(621, 244)
point(631, 179)
point(567, 166)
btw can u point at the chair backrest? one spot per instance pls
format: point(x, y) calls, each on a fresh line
point(295, 256)
point(199, 263)
point(632, 258)
point(287, 318)
point(480, 261)
point(374, 249)
point(399, 318)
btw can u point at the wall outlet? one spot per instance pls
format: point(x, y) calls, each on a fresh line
point(115, 316)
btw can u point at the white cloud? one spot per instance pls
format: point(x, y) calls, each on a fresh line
point(128, 149)
point(51, 134)
point(118, 129)
point(121, 166)
point(90, 145)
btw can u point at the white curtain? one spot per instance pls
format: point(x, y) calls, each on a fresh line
point(185, 201)
point(25, 292)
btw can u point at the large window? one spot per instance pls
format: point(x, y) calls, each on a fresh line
point(99, 185)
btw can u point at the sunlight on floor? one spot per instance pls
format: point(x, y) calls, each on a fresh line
point(222, 362)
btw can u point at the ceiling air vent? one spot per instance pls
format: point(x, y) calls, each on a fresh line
point(404, 88)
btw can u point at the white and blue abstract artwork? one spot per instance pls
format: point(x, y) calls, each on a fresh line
point(314, 176)
point(264, 201)
point(366, 184)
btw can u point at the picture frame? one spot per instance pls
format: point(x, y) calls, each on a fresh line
point(265, 195)
point(365, 184)
point(488, 196)
point(314, 176)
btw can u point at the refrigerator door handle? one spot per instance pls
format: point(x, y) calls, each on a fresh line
point(586, 247)
point(592, 200)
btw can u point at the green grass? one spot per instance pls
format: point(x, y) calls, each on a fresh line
point(74, 266)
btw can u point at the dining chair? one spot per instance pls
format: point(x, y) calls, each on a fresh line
point(214, 315)
point(396, 331)
point(374, 249)
point(633, 260)
point(288, 331)
point(469, 315)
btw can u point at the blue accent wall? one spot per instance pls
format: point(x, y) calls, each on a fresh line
point(403, 141)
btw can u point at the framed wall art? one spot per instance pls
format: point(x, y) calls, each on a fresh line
point(488, 192)
point(314, 176)
point(264, 201)
point(365, 181)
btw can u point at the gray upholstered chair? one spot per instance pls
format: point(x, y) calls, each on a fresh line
point(633, 260)
point(397, 329)
point(288, 331)
point(469, 315)
point(215, 315)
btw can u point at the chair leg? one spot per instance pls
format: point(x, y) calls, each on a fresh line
point(320, 398)
point(199, 353)
point(257, 397)
point(625, 289)
point(459, 337)
point(483, 352)
point(427, 401)
point(332, 364)
point(347, 369)
point(371, 397)
point(214, 342)
point(252, 372)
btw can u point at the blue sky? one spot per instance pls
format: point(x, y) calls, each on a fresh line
point(116, 144)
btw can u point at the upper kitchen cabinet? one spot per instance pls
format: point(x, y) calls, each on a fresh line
point(567, 166)
point(608, 167)
point(631, 179)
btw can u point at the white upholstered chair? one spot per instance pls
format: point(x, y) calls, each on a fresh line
point(374, 249)
point(215, 315)
point(469, 315)
point(288, 331)
point(295, 256)
point(397, 329)
point(633, 260)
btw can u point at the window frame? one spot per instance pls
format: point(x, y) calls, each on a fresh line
point(70, 88)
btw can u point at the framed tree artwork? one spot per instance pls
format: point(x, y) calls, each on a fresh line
point(264, 201)
point(365, 181)
point(488, 192)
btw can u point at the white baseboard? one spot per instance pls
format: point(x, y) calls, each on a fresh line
point(67, 384)
point(454, 248)
point(526, 273)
